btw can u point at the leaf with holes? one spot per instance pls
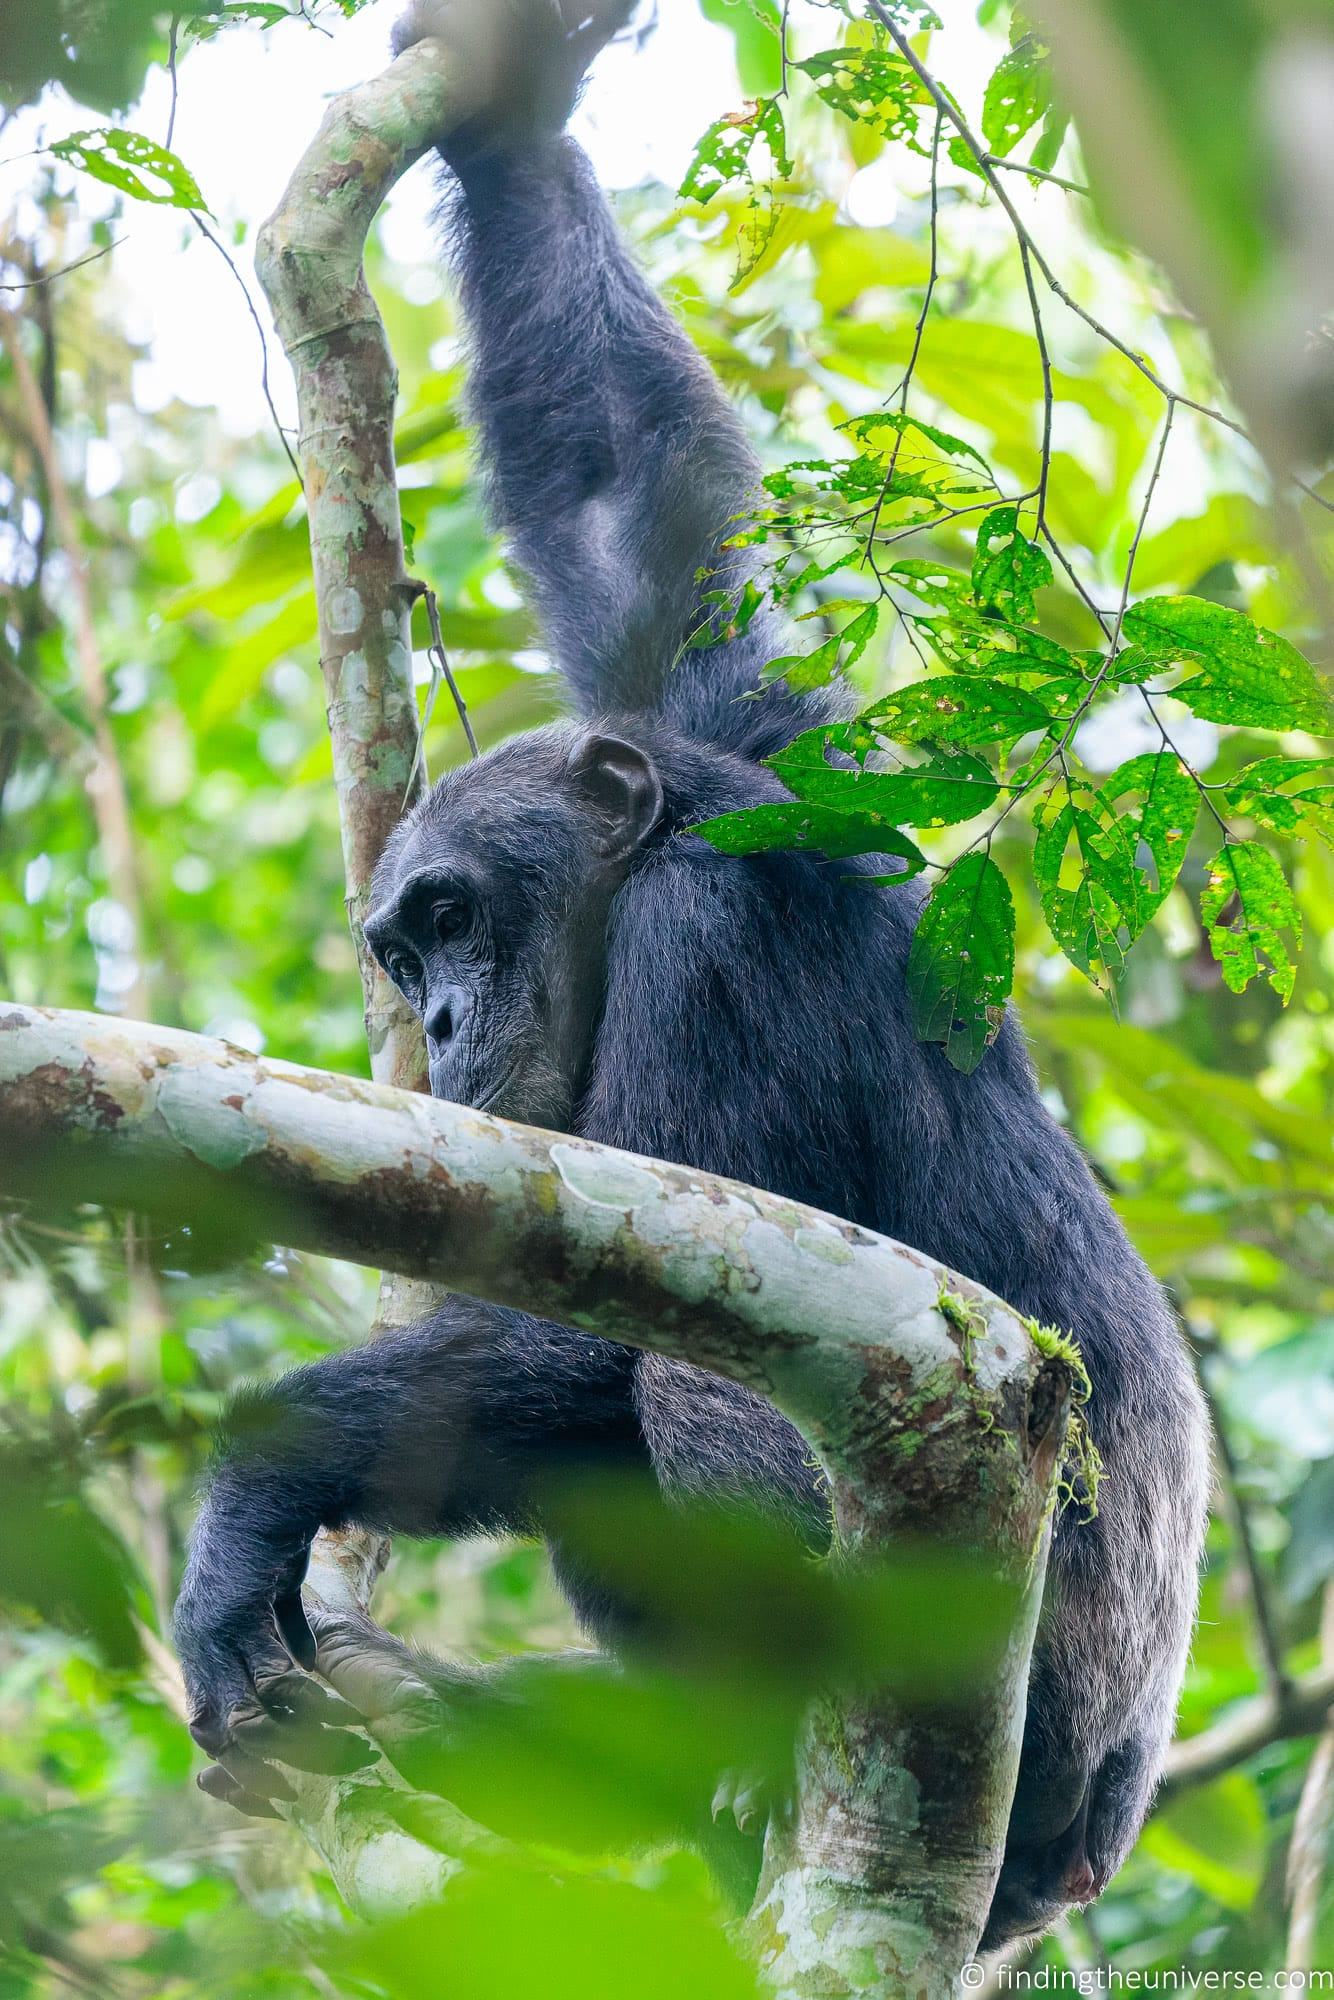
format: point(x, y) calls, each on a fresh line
point(932, 582)
point(1163, 821)
point(958, 708)
point(1261, 793)
point(1247, 906)
point(1018, 96)
point(725, 152)
point(944, 790)
point(961, 965)
point(121, 159)
point(794, 824)
point(1008, 569)
point(1248, 675)
point(202, 28)
point(1095, 916)
point(874, 87)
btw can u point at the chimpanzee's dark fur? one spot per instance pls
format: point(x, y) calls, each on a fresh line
point(581, 959)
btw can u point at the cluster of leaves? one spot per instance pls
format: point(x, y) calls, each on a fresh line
point(1003, 718)
point(999, 708)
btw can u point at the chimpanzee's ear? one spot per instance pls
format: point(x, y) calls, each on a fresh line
point(624, 786)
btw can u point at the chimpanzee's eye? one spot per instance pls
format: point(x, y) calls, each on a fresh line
point(404, 968)
point(450, 917)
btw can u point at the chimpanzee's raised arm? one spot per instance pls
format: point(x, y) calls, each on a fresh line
point(615, 463)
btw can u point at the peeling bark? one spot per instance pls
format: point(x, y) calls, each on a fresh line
point(933, 1410)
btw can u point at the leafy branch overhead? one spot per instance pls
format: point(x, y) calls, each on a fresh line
point(1019, 656)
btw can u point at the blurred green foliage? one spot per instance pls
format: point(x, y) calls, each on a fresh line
point(1208, 1113)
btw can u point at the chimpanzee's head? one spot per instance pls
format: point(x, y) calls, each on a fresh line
point(489, 913)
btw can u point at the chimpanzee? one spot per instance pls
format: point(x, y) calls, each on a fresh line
point(582, 960)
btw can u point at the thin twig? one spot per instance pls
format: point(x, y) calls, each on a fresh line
point(175, 81)
point(905, 385)
point(442, 661)
point(47, 277)
point(1140, 526)
point(981, 154)
point(1035, 173)
point(1048, 398)
point(228, 260)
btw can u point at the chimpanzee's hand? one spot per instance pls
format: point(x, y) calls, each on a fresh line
point(243, 1646)
point(515, 65)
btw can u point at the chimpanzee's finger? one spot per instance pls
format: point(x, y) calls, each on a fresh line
point(220, 1784)
point(333, 1753)
point(251, 1773)
point(298, 1698)
point(370, 1668)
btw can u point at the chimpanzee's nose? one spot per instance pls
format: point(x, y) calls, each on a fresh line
point(443, 1016)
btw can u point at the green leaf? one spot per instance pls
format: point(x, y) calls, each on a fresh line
point(817, 669)
point(724, 153)
point(1164, 820)
point(1048, 148)
point(122, 158)
point(1258, 793)
point(265, 13)
point(874, 87)
point(1246, 887)
point(958, 708)
point(933, 582)
point(1249, 676)
point(728, 614)
point(763, 829)
point(866, 431)
point(1018, 95)
point(961, 965)
point(944, 790)
point(1095, 916)
point(1008, 569)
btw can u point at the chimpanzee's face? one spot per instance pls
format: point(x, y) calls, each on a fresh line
point(490, 914)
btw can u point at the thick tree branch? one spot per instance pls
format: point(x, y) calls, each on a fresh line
point(797, 1304)
point(933, 1406)
point(309, 261)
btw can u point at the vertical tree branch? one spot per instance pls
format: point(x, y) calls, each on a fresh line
point(309, 261)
